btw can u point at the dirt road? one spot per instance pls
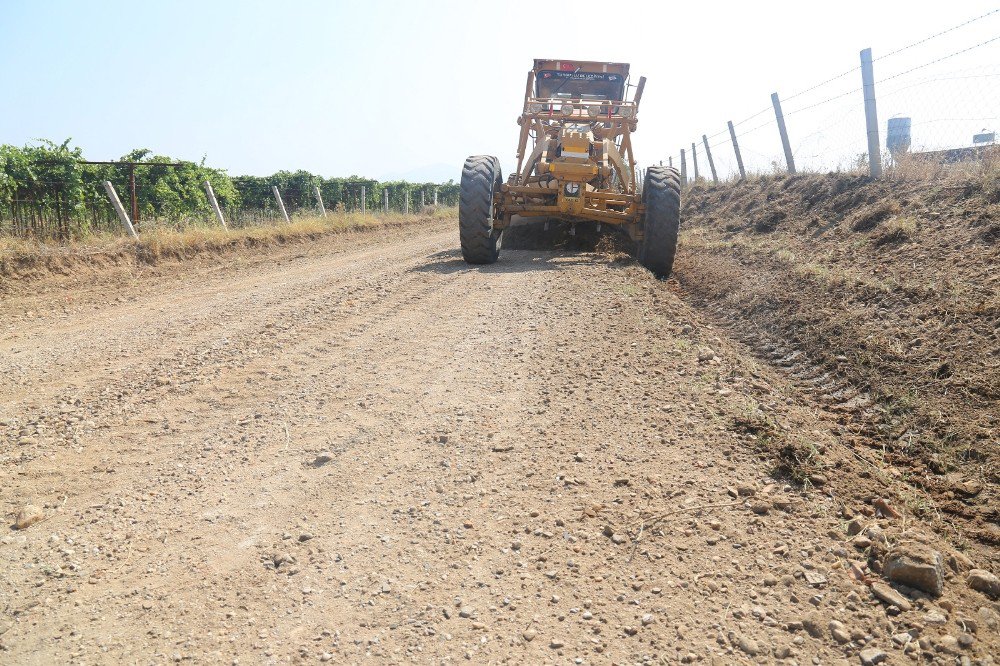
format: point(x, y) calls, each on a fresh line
point(366, 450)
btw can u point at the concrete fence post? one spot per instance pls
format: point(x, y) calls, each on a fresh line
point(319, 200)
point(711, 162)
point(736, 149)
point(789, 159)
point(281, 204)
point(871, 115)
point(117, 203)
point(215, 204)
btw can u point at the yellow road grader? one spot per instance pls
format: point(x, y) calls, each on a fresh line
point(579, 167)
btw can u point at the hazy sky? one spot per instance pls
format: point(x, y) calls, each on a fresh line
point(382, 88)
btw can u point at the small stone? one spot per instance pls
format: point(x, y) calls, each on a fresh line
point(815, 578)
point(891, 596)
point(326, 656)
point(744, 490)
point(647, 619)
point(872, 656)
point(631, 631)
point(27, 516)
point(854, 527)
point(917, 566)
point(984, 581)
point(515, 545)
point(813, 624)
point(760, 508)
point(839, 632)
point(748, 645)
point(618, 539)
point(818, 479)
point(901, 639)
point(960, 562)
point(934, 617)
point(529, 635)
point(305, 536)
point(556, 643)
point(321, 459)
point(949, 644)
point(966, 641)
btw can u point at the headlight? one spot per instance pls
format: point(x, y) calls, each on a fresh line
point(534, 107)
point(593, 111)
point(566, 109)
point(626, 111)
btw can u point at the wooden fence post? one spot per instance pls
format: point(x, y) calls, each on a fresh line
point(385, 199)
point(694, 161)
point(364, 201)
point(281, 204)
point(684, 169)
point(435, 197)
point(711, 162)
point(422, 205)
point(319, 200)
point(871, 114)
point(117, 203)
point(789, 160)
point(406, 203)
point(215, 204)
point(736, 149)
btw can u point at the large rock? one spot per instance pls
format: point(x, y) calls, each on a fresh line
point(985, 582)
point(917, 565)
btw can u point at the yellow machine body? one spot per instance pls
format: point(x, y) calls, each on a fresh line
point(575, 159)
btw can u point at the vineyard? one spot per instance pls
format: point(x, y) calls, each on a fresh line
point(49, 190)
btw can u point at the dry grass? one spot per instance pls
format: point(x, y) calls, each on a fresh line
point(20, 256)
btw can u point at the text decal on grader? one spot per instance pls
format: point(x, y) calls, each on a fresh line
point(578, 167)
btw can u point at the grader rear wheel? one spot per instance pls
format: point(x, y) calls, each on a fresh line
point(661, 192)
point(480, 240)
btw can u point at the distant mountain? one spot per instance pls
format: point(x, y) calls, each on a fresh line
point(430, 173)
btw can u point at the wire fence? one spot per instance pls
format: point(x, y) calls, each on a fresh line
point(935, 99)
point(48, 190)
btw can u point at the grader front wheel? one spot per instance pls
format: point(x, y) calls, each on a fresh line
point(661, 192)
point(481, 179)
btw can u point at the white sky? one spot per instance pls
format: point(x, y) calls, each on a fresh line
point(386, 88)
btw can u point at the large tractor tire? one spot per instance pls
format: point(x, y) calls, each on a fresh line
point(481, 179)
point(661, 192)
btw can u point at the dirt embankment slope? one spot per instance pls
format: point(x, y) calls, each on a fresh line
point(881, 299)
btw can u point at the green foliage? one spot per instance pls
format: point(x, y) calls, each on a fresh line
point(45, 190)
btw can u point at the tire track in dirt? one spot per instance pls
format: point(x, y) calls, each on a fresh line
point(529, 461)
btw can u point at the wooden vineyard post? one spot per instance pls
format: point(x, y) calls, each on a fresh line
point(385, 199)
point(364, 200)
point(117, 203)
point(215, 205)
